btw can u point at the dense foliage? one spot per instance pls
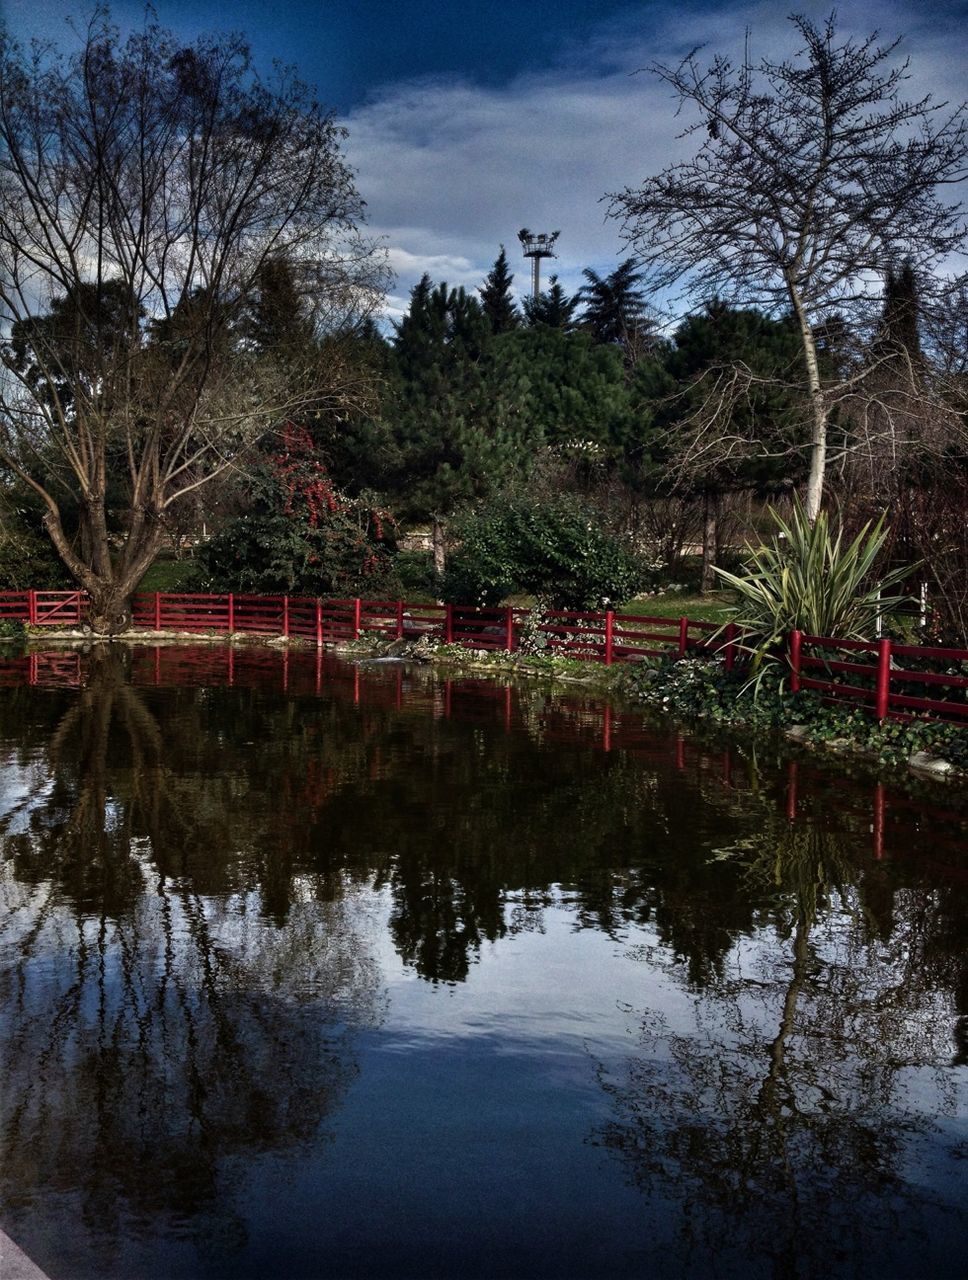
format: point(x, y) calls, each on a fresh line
point(27, 558)
point(299, 534)
point(701, 689)
point(554, 549)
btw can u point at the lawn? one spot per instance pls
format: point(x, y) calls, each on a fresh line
point(176, 575)
point(714, 607)
point(168, 575)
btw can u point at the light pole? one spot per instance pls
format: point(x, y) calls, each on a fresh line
point(537, 246)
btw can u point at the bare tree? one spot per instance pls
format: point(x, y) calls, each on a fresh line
point(812, 178)
point(145, 187)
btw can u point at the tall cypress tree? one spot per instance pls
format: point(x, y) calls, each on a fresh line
point(899, 333)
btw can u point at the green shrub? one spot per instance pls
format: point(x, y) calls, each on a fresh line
point(300, 535)
point(555, 549)
point(703, 690)
point(27, 555)
point(415, 573)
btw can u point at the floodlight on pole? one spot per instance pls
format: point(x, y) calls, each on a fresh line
point(537, 246)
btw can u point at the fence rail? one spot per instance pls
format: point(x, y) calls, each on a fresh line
point(889, 683)
point(883, 677)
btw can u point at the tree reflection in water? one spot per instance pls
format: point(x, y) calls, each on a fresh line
point(791, 1119)
point(189, 881)
point(149, 1033)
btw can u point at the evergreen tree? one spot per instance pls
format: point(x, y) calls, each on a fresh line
point(279, 319)
point(899, 432)
point(456, 428)
point(572, 389)
point(552, 307)
point(497, 299)
point(698, 430)
point(615, 309)
point(899, 331)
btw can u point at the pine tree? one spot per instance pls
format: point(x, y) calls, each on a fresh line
point(700, 432)
point(279, 318)
point(497, 299)
point(573, 390)
point(616, 310)
point(457, 433)
point(552, 307)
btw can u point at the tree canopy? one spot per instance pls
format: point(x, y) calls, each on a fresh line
point(151, 190)
point(811, 177)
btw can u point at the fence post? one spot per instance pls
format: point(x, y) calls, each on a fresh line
point(319, 623)
point(796, 642)
point(683, 636)
point(157, 610)
point(231, 623)
point(730, 655)
point(449, 625)
point(356, 618)
point(509, 628)
point(883, 678)
point(285, 616)
point(609, 638)
point(32, 607)
point(399, 619)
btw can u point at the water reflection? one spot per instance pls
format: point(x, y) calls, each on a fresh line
point(208, 855)
point(150, 1031)
point(787, 1112)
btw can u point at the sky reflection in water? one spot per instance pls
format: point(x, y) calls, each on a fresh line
point(309, 969)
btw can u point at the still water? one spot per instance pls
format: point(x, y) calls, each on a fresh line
point(315, 970)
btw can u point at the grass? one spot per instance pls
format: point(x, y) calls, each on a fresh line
point(176, 575)
point(168, 575)
point(714, 607)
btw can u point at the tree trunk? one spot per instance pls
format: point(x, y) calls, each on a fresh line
point(710, 515)
point(440, 548)
point(110, 609)
point(109, 583)
point(818, 408)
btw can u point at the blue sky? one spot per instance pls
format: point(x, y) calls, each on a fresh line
point(468, 120)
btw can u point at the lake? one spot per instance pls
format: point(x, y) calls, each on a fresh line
point(314, 969)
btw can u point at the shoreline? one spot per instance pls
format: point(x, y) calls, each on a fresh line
point(608, 682)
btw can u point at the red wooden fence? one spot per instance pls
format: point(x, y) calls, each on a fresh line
point(44, 608)
point(881, 676)
point(889, 682)
point(608, 637)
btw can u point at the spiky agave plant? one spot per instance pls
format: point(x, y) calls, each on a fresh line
point(806, 579)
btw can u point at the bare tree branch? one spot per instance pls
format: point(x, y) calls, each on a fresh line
point(144, 189)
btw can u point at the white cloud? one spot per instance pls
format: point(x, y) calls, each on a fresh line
point(452, 169)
